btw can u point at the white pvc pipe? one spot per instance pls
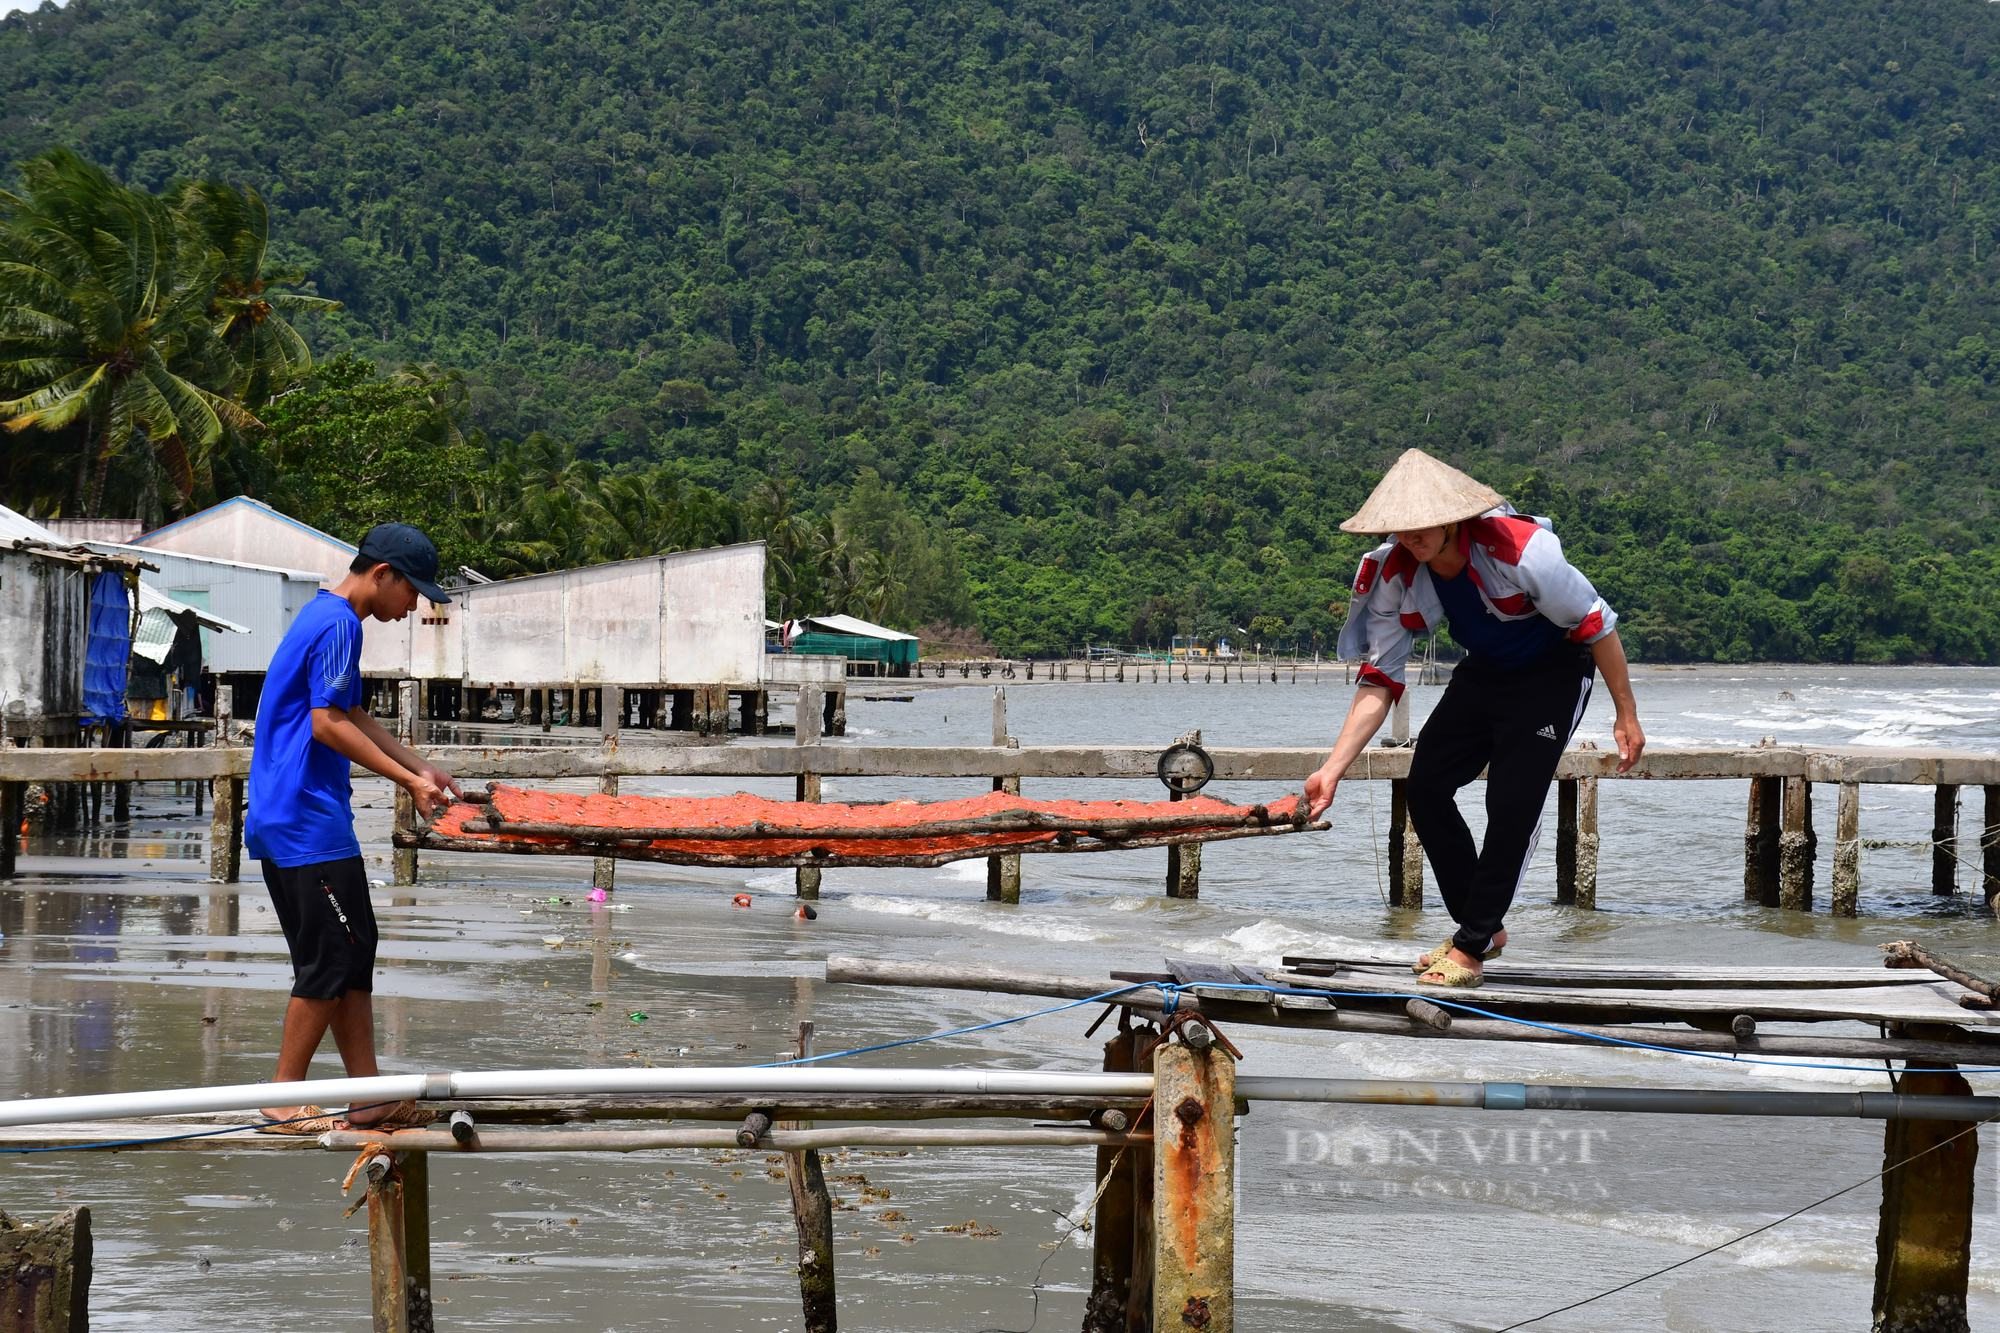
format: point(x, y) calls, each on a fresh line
point(720, 1081)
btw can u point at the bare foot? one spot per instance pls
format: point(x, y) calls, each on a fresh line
point(367, 1117)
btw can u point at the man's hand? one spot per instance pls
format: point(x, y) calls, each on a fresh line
point(1319, 790)
point(444, 780)
point(1631, 738)
point(425, 792)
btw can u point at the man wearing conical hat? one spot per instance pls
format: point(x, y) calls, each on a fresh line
point(1536, 636)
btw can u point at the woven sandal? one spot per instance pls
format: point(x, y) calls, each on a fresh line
point(310, 1123)
point(1451, 974)
point(1423, 964)
point(403, 1115)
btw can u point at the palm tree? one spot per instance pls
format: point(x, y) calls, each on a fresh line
point(101, 296)
point(247, 306)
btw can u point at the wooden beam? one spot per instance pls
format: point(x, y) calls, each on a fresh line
point(45, 1274)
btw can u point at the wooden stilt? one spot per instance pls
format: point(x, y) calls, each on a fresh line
point(611, 716)
point(416, 1171)
point(1114, 1224)
point(1003, 873)
point(1194, 1189)
point(45, 1274)
point(10, 826)
point(404, 859)
point(1794, 850)
point(121, 799)
point(1923, 1249)
point(388, 1267)
point(1566, 841)
point(1847, 850)
point(807, 719)
point(1184, 862)
point(1989, 846)
point(1944, 841)
point(812, 1213)
point(1760, 842)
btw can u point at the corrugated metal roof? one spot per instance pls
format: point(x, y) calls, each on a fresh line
point(20, 525)
point(148, 553)
point(152, 599)
point(851, 625)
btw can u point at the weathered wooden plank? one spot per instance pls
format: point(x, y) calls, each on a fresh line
point(1590, 974)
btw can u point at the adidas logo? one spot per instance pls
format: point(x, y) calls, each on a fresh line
point(1548, 733)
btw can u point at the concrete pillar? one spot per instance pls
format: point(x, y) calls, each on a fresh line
point(1944, 841)
point(1795, 862)
point(1923, 1246)
point(45, 1274)
point(808, 717)
point(1003, 873)
point(1847, 849)
point(1406, 852)
point(225, 832)
point(1194, 1190)
point(611, 713)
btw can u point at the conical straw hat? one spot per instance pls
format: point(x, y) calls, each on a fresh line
point(1421, 492)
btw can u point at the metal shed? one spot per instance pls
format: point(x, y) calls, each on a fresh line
point(891, 651)
point(261, 600)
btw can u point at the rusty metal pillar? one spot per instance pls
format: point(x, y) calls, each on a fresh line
point(1923, 1248)
point(1194, 1189)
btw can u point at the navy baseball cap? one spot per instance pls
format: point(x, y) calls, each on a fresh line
point(408, 552)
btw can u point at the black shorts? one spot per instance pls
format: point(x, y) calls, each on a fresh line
point(329, 926)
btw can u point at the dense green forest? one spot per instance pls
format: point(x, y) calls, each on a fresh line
point(1077, 319)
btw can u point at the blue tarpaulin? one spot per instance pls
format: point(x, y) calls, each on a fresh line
point(108, 653)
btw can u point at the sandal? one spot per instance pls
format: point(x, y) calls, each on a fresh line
point(309, 1123)
point(403, 1115)
point(1423, 964)
point(1451, 973)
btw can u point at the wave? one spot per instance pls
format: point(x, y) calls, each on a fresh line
point(966, 915)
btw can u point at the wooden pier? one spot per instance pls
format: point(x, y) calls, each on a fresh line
point(1780, 842)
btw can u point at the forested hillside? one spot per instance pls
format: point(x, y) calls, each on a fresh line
point(1087, 319)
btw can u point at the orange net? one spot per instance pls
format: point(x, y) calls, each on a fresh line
point(747, 830)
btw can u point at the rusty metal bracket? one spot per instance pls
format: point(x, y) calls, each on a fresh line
point(1196, 1030)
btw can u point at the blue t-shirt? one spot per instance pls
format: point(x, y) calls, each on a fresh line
point(299, 789)
point(1507, 644)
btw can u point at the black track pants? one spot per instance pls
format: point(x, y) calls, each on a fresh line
point(1515, 725)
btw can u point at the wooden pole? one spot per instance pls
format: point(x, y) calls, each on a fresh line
point(1566, 841)
point(10, 826)
point(1184, 862)
point(1847, 850)
point(806, 731)
point(1003, 873)
point(1194, 1189)
point(45, 1274)
point(388, 1267)
point(416, 1170)
point(120, 738)
point(604, 869)
point(404, 859)
point(1923, 1247)
point(812, 1213)
point(1794, 851)
point(1944, 841)
point(1406, 850)
point(1114, 1226)
point(1760, 843)
point(1989, 846)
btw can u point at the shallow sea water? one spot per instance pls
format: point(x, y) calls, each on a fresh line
point(127, 970)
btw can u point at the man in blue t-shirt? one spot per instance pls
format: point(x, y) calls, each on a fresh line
point(311, 727)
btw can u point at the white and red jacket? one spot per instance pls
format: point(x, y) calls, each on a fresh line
point(1515, 561)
